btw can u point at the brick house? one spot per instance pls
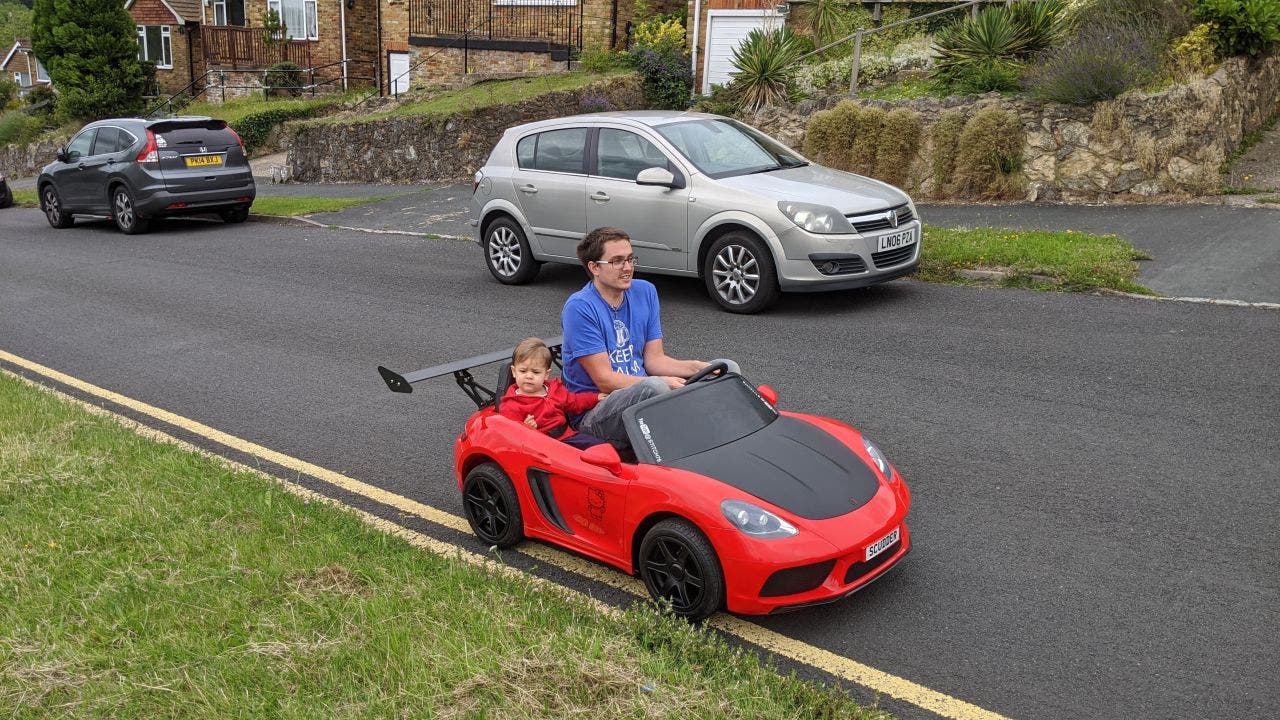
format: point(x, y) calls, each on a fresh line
point(21, 66)
point(169, 36)
point(432, 41)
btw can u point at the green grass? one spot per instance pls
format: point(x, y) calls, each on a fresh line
point(25, 197)
point(306, 205)
point(498, 92)
point(1071, 260)
point(235, 111)
point(909, 89)
point(142, 580)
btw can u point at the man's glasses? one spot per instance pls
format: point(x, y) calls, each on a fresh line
point(619, 263)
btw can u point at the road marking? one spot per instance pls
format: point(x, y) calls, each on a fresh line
point(824, 660)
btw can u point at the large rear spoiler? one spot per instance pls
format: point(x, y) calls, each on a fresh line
point(461, 371)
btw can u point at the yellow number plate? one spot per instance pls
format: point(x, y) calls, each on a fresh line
point(203, 160)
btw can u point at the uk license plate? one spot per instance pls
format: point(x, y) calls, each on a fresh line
point(882, 544)
point(203, 160)
point(896, 240)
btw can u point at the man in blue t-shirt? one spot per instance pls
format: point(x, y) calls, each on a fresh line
point(613, 336)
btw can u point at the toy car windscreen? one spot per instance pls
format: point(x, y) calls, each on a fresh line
point(696, 418)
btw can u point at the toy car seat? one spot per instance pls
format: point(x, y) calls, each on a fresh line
point(505, 380)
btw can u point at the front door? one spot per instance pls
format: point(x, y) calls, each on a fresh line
point(656, 218)
point(398, 64)
point(550, 183)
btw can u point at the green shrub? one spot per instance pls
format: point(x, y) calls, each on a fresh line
point(946, 143)
point(1192, 54)
point(665, 77)
point(1243, 27)
point(720, 101)
point(867, 126)
point(8, 93)
point(899, 146)
point(987, 75)
point(764, 65)
point(19, 128)
point(600, 61)
point(1099, 63)
point(255, 128)
point(846, 137)
point(284, 77)
point(989, 156)
point(663, 35)
point(997, 33)
point(41, 100)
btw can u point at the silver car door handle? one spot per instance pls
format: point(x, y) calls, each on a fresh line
point(601, 196)
point(528, 189)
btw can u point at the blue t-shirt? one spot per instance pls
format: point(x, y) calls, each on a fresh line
point(591, 326)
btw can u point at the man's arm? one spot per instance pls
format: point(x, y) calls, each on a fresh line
point(657, 362)
point(603, 375)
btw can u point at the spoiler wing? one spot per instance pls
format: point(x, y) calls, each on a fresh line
point(461, 371)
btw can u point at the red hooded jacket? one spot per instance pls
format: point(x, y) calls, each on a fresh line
point(548, 410)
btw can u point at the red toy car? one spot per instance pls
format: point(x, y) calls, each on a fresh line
point(729, 504)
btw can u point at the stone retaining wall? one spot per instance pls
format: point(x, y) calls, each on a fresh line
point(432, 148)
point(1171, 143)
point(27, 160)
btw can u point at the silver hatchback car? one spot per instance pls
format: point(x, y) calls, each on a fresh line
point(701, 196)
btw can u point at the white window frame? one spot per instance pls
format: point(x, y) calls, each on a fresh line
point(18, 78)
point(219, 8)
point(165, 51)
point(42, 75)
point(310, 15)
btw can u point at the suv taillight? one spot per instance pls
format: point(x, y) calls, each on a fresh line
point(150, 153)
point(242, 150)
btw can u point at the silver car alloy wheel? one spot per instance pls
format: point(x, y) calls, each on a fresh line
point(736, 273)
point(123, 209)
point(52, 208)
point(504, 251)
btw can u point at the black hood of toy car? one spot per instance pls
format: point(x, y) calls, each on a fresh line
point(793, 465)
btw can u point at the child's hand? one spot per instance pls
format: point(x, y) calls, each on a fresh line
point(528, 420)
point(602, 396)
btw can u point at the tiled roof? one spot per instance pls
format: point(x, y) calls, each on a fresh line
point(187, 10)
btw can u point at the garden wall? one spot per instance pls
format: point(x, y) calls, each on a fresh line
point(27, 160)
point(1169, 143)
point(433, 148)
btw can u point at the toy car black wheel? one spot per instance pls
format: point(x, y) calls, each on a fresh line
point(124, 213)
point(678, 565)
point(491, 506)
point(739, 273)
point(237, 214)
point(51, 203)
point(507, 253)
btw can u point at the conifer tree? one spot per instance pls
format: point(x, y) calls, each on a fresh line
point(90, 48)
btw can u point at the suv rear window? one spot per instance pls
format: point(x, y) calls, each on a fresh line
point(212, 133)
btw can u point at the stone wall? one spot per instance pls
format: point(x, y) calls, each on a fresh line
point(432, 148)
point(1171, 143)
point(27, 160)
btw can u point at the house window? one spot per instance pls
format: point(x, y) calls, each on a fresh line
point(23, 79)
point(154, 45)
point(42, 75)
point(298, 17)
point(228, 12)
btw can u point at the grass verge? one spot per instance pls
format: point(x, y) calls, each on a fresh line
point(497, 92)
point(306, 205)
point(1033, 258)
point(25, 197)
point(140, 579)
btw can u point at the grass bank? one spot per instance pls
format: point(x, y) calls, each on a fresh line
point(496, 92)
point(139, 579)
point(1032, 258)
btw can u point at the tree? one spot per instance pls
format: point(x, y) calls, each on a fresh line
point(90, 49)
point(15, 22)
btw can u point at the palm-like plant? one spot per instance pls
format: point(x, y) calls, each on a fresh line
point(826, 20)
point(764, 65)
point(992, 35)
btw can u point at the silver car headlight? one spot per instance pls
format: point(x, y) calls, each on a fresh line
point(878, 457)
point(755, 521)
point(818, 219)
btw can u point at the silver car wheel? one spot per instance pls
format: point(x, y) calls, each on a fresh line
point(736, 273)
point(52, 206)
point(123, 210)
point(504, 251)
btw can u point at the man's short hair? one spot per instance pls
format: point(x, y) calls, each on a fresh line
point(592, 245)
point(531, 348)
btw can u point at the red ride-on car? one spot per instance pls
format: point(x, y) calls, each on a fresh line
point(730, 503)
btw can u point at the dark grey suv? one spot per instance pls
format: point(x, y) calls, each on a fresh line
point(134, 170)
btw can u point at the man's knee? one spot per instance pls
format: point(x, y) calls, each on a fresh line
point(651, 387)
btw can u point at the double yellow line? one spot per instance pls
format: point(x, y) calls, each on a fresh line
point(781, 645)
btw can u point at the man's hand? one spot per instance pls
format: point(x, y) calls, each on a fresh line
point(528, 420)
point(675, 383)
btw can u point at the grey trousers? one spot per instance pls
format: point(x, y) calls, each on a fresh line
point(605, 420)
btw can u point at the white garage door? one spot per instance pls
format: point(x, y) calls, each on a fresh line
point(726, 29)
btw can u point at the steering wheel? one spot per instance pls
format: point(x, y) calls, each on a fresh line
point(715, 368)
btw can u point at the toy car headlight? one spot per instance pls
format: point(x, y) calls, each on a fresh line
point(756, 522)
point(818, 219)
point(878, 457)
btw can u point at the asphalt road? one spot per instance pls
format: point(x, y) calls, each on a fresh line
point(1095, 478)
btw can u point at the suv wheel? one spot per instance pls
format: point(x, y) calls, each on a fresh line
point(51, 203)
point(739, 274)
point(507, 253)
point(126, 216)
point(237, 214)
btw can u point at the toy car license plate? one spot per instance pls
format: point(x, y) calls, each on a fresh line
point(882, 544)
point(896, 240)
point(203, 160)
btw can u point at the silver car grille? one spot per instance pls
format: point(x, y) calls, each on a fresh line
point(881, 219)
point(896, 256)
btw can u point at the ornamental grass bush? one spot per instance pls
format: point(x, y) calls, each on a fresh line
point(946, 143)
point(865, 140)
point(1099, 63)
point(997, 39)
point(763, 67)
point(989, 156)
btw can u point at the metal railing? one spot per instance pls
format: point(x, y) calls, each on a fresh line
point(317, 81)
point(860, 33)
point(244, 48)
point(486, 20)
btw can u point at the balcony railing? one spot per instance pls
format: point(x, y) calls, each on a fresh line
point(557, 26)
point(241, 48)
